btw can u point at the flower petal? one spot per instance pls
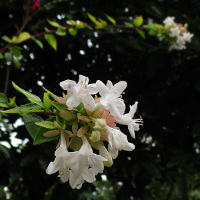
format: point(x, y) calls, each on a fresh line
point(67, 84)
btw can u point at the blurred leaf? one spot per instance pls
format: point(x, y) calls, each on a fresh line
point(51, 39)
point(92, 18)
point(8, 56)
point(16, 51)
point(5, 150)
point(61, 32)
point(22, 37)
point(6, 38)
point(16, 62)
point(38, 42)
point(128, 25)
point(112, 20)
point(73, 31)
point(141, 32)
point(55, 24)
point(138, 21)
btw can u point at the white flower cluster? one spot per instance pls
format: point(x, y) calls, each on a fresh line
point(96, 129)
point(177, 34)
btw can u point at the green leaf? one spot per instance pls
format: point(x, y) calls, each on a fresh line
point(5, 150)
point(27, 108)
point(4, 101)
point(141, 32)
point(47, 103)
point(50, 93)
point(128, 25)
point(159, 26)
point(29, 122)
point(22, 37)
point(138, 21)
point(12, 101)
point(54, 24)
point(67, 115)
point(1, 56)
point(31, 97)
point(59, 106)
point(51, 39)
point(46, 124)
point(16, 51)
point(103, 22)
point(61, 32)
point(16, 62)
point(6, 38)
point(73, 31)
point(112, 20)
point(38, 42)
point(51, 133)
point(71, 22)
point(40, 138)
point(8, 56)
point(92, 18)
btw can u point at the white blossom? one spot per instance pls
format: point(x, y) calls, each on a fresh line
point(169, 21)
point(78, 166)
point(80, 92)
point(117, 141)
point(127, 119)
point(110, 97)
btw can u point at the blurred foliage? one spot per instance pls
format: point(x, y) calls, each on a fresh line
point(165, 164)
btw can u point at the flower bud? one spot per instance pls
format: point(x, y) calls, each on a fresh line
point(100, 124)
point(103, 152)
point(95, 136)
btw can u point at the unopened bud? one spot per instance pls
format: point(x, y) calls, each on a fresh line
point(103, 152)
point(95, 136)
point(100, 124)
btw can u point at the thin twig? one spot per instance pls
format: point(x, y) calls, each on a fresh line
point(7, 80)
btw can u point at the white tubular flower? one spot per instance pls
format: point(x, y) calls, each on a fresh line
point(127, 119)
point(77, 167)
point(84, 164)
point(117, 141)
point(80, 92)
point(110, 97)
point(59, 163)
